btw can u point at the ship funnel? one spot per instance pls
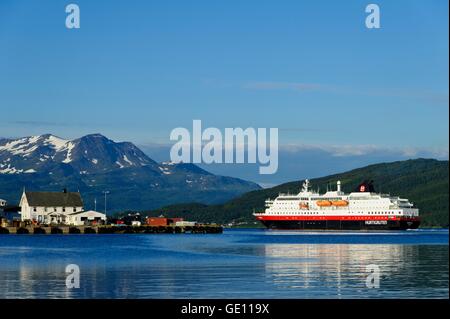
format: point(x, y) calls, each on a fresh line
point(338, 186)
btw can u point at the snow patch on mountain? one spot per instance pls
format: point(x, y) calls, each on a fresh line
point(9, 169)
point(23, 146)
point(165, 170)
point(125, 158)
point(56, 143)
point(69, 147)
point(120, 164)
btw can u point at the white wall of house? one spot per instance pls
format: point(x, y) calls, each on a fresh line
point(25, 213)
point(42, 213)
point(80, 218)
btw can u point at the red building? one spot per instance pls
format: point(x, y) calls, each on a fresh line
point(162, 221)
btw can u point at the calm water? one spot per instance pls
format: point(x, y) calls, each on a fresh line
point(236, 264)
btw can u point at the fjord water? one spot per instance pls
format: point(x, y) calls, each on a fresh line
point(237, 264)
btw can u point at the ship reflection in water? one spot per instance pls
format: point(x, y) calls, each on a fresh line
point(237, 264)
point(329, 271)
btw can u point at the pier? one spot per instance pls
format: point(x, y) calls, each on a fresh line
point(109, 229)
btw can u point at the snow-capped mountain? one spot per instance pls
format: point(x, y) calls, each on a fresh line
point(90, 153)
point(94, 163)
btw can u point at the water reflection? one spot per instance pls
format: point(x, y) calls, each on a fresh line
point(236, 265)
point(340, 270)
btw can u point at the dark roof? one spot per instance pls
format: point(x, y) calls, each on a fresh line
point(48, 199)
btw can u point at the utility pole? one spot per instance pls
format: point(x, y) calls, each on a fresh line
point(105, 192)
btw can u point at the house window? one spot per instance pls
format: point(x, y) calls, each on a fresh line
point(34, 209)
point(54, 209)
point(63, 209)
point(74, 209)
point(45, 209)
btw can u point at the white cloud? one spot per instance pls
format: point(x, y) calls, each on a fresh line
point(297, 86)
point(369, 149)
point(432, 96)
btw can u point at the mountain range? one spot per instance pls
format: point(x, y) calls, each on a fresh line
point(93, 164)
point(425, 182)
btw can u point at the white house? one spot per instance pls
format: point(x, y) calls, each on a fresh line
point(50, 207)
point(88, 217)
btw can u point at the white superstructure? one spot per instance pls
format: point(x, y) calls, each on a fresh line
point(334, 203)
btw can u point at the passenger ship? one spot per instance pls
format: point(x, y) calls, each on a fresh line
point(363, 209)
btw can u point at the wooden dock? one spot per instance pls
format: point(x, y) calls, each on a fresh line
point(108, 229)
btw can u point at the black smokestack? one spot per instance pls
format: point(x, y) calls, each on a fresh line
point(366, 186)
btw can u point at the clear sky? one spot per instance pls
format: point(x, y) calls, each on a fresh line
point(137, 69)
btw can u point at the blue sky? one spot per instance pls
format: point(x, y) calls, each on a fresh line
point(137, 69)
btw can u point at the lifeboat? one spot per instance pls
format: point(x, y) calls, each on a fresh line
point(340, 203)
point(323, 203)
